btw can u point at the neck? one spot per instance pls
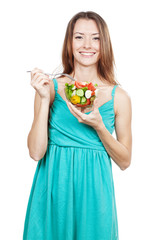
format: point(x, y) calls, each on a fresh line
point(86, 74)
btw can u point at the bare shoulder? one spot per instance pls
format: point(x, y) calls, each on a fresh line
point(62, 80)
point(122, 101)
point(121, 94)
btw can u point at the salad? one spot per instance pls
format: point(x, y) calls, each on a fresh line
point(81, 94)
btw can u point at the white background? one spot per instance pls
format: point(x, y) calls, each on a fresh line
point(32, 34)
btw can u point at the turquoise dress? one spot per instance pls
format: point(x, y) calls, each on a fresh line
point(72, 195)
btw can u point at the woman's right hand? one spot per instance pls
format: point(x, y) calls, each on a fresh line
point(41, 83)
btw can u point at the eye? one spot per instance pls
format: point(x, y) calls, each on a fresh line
point(96, 38)
point(78, 37)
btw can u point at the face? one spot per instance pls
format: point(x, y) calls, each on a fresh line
point(86, 42)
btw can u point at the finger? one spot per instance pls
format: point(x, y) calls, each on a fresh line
point(75, 110)
point(39, 76)
point(36, 70)
point(79, 115)
point(34, 75)
point(43, 82)
point(82, 110)
point(95, 104)
point(37, 86)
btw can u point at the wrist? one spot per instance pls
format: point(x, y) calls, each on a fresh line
point(45, 100)
point(100, 127)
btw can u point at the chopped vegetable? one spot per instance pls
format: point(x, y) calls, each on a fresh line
point(92, 99)
point(83, 100)
point(67, 93)
point(83, 105)
point(84, 88)
point(88, 94)
point(74, 93)
point(75, 99)
point(80, 93)
point(91, 87)
point(80, 84)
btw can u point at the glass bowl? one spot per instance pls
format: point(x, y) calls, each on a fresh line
point(81, 94)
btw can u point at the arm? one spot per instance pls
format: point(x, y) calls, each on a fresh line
point(38, 136)
point(120, 149)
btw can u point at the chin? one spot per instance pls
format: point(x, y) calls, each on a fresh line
point(86, 63)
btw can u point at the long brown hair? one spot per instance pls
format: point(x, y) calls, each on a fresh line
point(106, 62)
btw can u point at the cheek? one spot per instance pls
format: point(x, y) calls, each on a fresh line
point(97, 46)
point(77, 45)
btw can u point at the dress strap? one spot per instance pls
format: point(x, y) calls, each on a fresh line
point(55, 84)
point(113, 90)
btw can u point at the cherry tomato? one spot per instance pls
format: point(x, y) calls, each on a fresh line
point(80, 85)
point(83, 105)
point(91, 87)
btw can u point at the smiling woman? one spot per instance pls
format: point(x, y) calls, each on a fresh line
point(89, 27)
point(85, 46)
point(72, 195)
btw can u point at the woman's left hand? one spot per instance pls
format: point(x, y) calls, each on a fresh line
point(93, 119)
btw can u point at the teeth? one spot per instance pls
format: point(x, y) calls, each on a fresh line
point(87, 54)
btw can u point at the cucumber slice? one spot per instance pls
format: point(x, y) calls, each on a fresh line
point(80, 93)
point(83, 100)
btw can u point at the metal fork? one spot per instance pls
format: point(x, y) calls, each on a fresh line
point(58, 74)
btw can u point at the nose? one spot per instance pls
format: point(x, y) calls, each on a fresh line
point(87, 42)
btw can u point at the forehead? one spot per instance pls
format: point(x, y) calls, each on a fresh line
point(86, 26)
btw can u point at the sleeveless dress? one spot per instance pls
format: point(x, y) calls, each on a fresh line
point(72, 195)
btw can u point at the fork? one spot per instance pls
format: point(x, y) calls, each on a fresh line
point(60, 74)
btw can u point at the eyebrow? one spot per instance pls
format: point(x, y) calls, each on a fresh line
point(83, 33)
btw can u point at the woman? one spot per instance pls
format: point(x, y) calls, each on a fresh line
point(72, 195)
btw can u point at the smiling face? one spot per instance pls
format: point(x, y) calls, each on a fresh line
point(86, 42)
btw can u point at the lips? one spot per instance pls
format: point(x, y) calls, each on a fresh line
point(87, 53)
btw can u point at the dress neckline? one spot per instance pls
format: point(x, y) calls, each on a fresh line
point(101, 107)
